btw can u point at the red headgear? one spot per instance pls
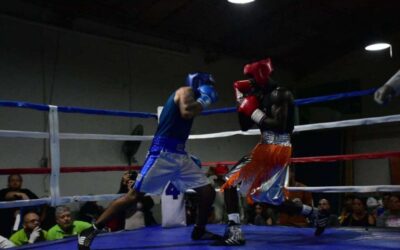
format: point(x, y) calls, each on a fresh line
point(260, 71)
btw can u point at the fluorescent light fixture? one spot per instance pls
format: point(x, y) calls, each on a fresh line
point(380, 46)
point(377, 46)
point(240, 1)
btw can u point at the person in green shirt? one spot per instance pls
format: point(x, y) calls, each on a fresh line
point(31, 231)
point(65, 226)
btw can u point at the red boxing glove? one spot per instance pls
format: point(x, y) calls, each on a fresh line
point(241, 88)
point(249, 105)
point(260, 71)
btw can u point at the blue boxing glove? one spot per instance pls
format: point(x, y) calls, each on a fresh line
point(208, 95)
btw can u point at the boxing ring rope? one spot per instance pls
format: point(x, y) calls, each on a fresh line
point(55, 136)
point(297, 129)
point(328, 158)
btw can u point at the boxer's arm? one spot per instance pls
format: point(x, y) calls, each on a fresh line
point(394, 82)
point(188, 106)
point(279, 111)
point(276, 121)
point(250, 113)
point(390, 89)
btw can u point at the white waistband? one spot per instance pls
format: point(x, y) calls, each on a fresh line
point(270, 137)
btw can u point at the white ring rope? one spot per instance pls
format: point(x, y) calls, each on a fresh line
point(298, 128)
point(62, 200)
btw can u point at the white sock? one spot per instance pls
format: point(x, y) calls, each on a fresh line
point(234, 217)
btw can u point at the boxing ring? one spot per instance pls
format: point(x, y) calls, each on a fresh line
point(257, 237)
point(179, 238)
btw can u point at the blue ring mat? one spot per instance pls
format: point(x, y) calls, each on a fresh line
point(257, 237)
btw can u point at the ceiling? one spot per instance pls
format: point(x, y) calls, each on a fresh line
point(300, 35)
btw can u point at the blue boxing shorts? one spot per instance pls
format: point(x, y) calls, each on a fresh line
point(168, 161)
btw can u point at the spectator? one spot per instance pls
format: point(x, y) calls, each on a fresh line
point(384, 204)
point(31, 231)
point(217, 180)
point(359, 216)
point(263, 215)
point(333, 220)
point(391, 217)
point(298, 197)
point(90, 211)
point(347, 208)
point(13, 192)
point(118, 222)
point(372, 206)
point(65, 226)
point(127, 179)
point(5, 243)
point(47, 217)
point(259, 218)
point(136, 216)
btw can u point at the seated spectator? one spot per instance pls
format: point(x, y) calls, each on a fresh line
point(372, 206)
point(118, 221)
point(384, 204)
point(347, 206)
point(391, 217)
point(90, 211)
point(65, 226)
point(5, 243)
point(296, 196)
point(263, 216)
point(13, 192)
point(47, 217)
point(333, 220)
point(359, 216)
point(217, 180)
point(136, 216)
point(31, 231)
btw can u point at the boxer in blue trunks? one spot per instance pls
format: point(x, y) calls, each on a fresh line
point(167, 159)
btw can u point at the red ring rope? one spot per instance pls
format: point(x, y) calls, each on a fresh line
point(329, 158)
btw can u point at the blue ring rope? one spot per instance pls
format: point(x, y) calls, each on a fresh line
point(333, 97)
point(305, 101)
point(65, 109)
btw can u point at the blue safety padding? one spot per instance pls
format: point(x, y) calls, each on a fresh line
point(258, 237)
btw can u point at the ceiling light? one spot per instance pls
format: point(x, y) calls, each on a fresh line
point(380, 46)
point(240, 1)
point(377, 46)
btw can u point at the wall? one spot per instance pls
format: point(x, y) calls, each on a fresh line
point(43, 64)
point(369, 70)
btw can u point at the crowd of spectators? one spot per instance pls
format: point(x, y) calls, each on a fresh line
point(365, 210)
point(29, 225)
